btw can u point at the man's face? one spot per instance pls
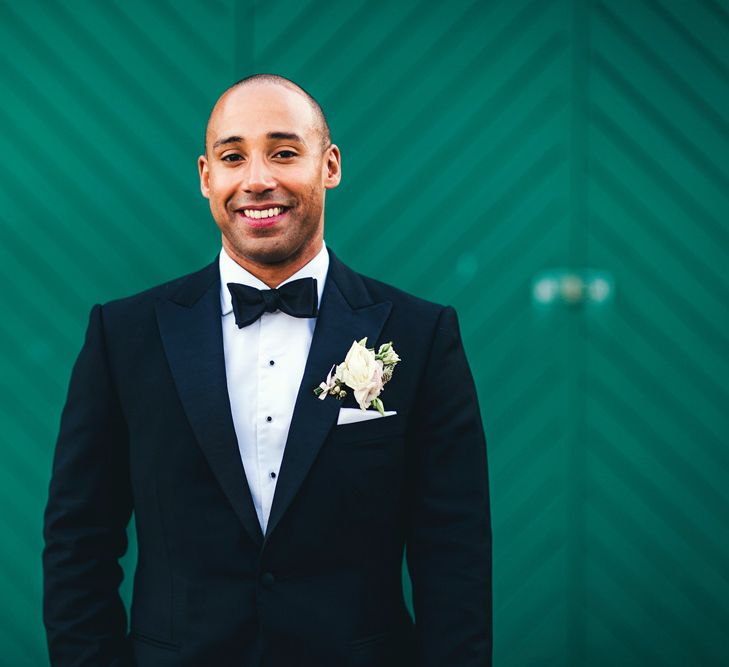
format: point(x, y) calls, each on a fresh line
point(264, 152)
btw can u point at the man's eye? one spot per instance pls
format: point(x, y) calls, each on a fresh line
point(290, 154)
point(231, 157)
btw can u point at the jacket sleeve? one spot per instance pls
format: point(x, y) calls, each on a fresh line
point(448, 541)
point(88, 509)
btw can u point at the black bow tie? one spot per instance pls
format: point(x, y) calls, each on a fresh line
point(298, 298)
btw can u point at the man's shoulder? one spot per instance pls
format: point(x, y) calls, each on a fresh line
point(378, 290)
point(167, 289)
point(406, 306)
point(384, 291)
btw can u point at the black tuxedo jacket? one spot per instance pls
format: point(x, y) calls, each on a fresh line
point(147, 427)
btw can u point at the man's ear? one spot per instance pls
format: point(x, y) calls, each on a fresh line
point(202, 166)
point(333, 167)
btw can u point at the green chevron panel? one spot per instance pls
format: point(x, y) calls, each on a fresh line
point(483, 142)
point(655, 428)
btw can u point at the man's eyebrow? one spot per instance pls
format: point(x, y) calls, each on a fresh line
point(235, 139)
point(227, 140)
point(289, 136)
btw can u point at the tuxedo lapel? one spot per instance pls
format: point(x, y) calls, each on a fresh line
point(191, 329)
point(347, 313)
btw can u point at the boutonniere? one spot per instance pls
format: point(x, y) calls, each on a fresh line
point(364, 371)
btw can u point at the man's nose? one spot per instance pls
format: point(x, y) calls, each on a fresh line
point(258, 176)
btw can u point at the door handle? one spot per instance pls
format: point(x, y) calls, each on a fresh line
point(572, 287)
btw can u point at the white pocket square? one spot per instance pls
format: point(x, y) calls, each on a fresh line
point(352, 415)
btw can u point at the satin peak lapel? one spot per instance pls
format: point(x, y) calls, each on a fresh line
point(347, 313)
point(191, 329)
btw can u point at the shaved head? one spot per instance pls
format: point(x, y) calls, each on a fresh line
point(322, 126)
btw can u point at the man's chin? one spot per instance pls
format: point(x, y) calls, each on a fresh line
point(265, 252)
point(270, 258)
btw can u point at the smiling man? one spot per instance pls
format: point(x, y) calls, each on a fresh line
point(238, 412)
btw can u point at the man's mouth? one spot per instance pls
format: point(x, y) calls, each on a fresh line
point(262, 217)
point(258, 214)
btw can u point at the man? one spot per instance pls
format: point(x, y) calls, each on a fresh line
point(271, 516)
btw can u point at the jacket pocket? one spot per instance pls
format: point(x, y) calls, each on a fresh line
point(372, 651)
point(372, 639)
point(153, 641)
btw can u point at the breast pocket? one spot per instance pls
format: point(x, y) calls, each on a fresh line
point(381, 428)
point(374, 650)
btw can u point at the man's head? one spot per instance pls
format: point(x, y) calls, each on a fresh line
point(268, 146)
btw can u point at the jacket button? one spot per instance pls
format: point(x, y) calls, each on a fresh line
point(267, 580)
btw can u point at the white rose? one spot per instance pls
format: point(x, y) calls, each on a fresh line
point(362, 373)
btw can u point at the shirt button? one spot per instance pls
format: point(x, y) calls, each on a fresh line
point(271, 363)
point(272, 474)
point(269, 419)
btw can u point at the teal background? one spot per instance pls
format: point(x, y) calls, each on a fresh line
point(483, 142)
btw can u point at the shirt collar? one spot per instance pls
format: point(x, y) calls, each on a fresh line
point(232, 272)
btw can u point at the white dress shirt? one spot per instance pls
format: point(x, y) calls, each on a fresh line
point(264, 364)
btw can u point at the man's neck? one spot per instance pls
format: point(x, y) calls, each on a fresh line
point(274, 274)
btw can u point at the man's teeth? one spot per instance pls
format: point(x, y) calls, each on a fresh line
point(266, 213)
